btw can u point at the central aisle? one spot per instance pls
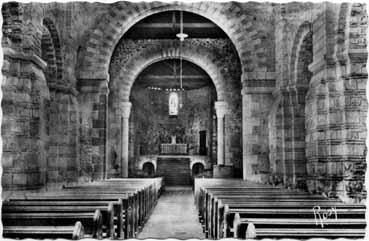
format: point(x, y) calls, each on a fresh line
point(174, 216)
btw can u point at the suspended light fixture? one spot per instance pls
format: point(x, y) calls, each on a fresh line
point(181, 36)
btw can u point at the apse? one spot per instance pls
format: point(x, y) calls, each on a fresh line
point(171, 119)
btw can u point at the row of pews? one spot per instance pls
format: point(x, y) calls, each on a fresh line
point(240, 209)
point(113, 208)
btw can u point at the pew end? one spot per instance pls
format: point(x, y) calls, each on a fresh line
point(236, 224)
point(78, 232)
point(110, 231)
point(250, 231)
point(97, 225)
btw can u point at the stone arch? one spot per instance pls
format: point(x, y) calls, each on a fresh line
point(110, 29)
point(57, 46)
point(149, 169)
point(304, 31)
point(200, 56)
point(293, 108)
point(50, 52)
point(197, 168)
point(12, 13)
point(342, 34)
point(48, 55)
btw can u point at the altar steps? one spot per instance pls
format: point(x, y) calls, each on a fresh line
point(176, 171)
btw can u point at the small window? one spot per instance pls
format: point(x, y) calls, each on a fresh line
point(173, 104)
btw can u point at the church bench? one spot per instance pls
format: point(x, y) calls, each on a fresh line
point(155, 185)
point(139, 205)
point(209, 207)
point(263, 227)
point(138, 199)
point(146, 198)
point(213, 210)
point(216, 217)
point(264, 198)
point(147, 189)
point(75, 232)
point(251, 191)
point(91, 221)
point(228, 214)
point(248, 205)
point(107, 212)
point(124, 215)
point(225, 183)
point(328, 233)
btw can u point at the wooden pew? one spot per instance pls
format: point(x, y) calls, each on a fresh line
point(75, 232)
point(238, 214)
point(92, 221)
point(135, 210)
point(210, 208)
point(273, 211)
point(298, 228)
point(215, 216)
point(136, 198)
point(107, 211)
point(145, 193)
point(80, 201)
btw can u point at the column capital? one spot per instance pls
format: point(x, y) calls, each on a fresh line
point(125, 108)
point(221, 108)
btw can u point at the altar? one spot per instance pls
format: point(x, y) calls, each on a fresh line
point(173, 148)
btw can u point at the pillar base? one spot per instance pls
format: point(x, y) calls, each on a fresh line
point(222, 171)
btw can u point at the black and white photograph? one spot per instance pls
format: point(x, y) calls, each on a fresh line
point(200, 120)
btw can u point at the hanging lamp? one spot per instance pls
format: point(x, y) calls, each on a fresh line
point(181, 36)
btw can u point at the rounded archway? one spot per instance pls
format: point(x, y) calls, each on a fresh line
point(111, 28)
point(216, 58)
point(294, 111)
point(199, 55)
point(198, 170)
point(148, 169)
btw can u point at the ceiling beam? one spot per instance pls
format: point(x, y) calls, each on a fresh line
point(171, 25)
point(161, 77)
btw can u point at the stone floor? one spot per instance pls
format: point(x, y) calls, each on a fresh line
point(174, 216)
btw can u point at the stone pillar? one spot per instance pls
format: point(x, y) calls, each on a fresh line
point(220, 108)
point(24, 129)
point(221, 170)
point(125, 108)
point(257, 100)
point(92, 104)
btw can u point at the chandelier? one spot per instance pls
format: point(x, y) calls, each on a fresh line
point(181, 36)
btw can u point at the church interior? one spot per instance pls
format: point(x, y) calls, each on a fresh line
point(203, 120)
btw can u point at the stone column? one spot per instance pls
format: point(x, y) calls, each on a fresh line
point(221, 170)
point(257, 101)
point(220, 108)
point(125, 108)
point(92, 104)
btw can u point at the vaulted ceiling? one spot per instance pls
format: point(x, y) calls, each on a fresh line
point(166, 25)
point(165, 75)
